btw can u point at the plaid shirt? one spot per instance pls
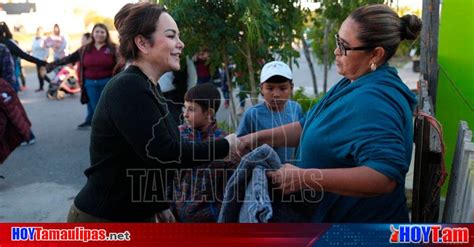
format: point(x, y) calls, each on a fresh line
point(7, 71)
point(207, 181)
point(190, 134)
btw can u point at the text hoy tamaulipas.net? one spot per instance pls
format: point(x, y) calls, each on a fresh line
point(72, 234)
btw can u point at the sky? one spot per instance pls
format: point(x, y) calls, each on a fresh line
point(104, 7)
point(413, 4)
point(67, 13)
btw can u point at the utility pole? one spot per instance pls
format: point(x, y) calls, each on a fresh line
point(429, 46)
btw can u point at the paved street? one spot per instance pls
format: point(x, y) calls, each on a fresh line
point(42, 179)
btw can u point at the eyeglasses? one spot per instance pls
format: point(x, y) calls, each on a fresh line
point(344, 48)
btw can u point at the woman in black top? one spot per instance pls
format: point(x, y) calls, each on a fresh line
point(6, 38)
point(135, 143)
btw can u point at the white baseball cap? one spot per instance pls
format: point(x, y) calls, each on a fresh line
point(275, 68)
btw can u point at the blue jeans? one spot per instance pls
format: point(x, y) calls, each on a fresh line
point(94, 90)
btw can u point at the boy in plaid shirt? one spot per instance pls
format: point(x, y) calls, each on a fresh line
point(196, 193)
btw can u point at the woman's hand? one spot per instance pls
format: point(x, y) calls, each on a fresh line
point(50, 67)
point(234, 143)
point(245, 145)
point(166, 216)
point(289, 179)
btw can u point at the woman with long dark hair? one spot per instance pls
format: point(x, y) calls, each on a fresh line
point(6, 38)
point(97, 59)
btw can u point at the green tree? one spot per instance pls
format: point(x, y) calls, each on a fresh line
point(93, 18)
point(245, 32)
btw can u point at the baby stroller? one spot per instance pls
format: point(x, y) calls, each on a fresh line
point(65, 82)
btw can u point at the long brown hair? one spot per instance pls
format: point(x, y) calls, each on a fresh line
point(108, 41)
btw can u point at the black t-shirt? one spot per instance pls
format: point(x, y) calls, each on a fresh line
point(135, 145)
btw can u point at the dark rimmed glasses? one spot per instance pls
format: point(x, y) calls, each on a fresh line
point(344, 48)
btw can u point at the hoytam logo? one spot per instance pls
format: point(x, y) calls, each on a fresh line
point(429, 234)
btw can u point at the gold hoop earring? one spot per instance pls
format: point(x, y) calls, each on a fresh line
point(373, 67)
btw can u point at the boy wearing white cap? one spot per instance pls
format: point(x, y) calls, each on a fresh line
point(276, 86)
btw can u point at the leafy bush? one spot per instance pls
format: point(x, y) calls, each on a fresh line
point(305, 101)
point(224, 125)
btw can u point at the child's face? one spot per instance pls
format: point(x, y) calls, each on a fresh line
point(195, 116)
point(85, 40)
point(276, 94)
point(203, 55)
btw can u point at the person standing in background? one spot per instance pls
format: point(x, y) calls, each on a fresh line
point(40, 51)
point(6, 38)
point(85, 39)
point(201, 62)
point(98, 60)
point(15, 127)
point(7, 69)
point(58, 43)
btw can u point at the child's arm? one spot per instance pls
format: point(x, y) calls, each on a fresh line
point(283, 136)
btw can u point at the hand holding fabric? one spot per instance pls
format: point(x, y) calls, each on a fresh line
point(245, 145)
point(166, 216)
point(289, 179)
point(234, 143)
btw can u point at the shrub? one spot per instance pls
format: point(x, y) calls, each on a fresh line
point(305, 101)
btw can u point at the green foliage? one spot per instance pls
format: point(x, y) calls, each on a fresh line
point(224, 125)
point(228, 27)
point(305, 101)
point(93, 18)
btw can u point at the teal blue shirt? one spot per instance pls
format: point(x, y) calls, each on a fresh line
point(260, 117)
point(367, 122)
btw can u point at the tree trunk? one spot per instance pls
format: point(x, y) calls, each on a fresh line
point(307, 54)
point(233, 114)
point(253, 87)
point(326, 54)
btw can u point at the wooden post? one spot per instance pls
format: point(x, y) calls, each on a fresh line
point(429, 46)
point(428, 158)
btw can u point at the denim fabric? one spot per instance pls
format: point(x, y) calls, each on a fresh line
point(94, 90)
point(256, 207)
point(246, 197)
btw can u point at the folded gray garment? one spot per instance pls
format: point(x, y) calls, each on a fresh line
point(247, 198)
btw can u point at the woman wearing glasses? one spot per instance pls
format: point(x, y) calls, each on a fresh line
point(355, 145)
